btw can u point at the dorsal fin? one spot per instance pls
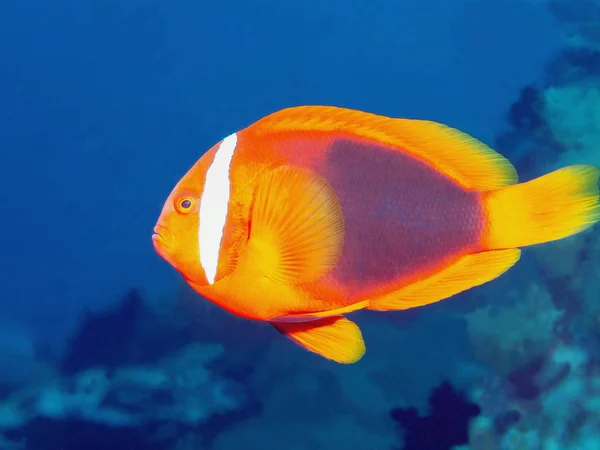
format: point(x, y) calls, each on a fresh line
point(469, 162)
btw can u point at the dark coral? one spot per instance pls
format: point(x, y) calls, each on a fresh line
point(523, 379)
point(574, 11)
point(525, 113)
point(506, 420)
point(75, 434)
point(587, 59)
point(129, 333)
point(572, 65)
point(104, 338)
point(529, 143)
point(446, 425)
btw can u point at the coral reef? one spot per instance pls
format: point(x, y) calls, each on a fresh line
point(174, 394)
point(117, 398)
point(540, 340)
point(505, 337)
point(549, 403)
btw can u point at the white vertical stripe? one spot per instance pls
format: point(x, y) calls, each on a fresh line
point(214, 207)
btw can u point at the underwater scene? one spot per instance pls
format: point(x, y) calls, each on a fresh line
point(300, 225)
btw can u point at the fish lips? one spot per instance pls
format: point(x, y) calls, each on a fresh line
point(162, 241)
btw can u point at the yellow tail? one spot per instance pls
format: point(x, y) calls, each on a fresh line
point(551, 207)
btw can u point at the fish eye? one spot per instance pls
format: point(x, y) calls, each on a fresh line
point(185, 204)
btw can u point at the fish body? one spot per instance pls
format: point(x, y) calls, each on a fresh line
point(314, 212)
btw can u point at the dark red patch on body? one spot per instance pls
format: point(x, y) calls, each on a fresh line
point(402, 217)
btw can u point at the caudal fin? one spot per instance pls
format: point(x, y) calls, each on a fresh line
point(551, 207)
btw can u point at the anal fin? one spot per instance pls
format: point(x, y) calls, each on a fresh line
point(467, 272)
point(335, 338)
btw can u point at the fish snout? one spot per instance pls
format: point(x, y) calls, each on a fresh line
point(162, 240)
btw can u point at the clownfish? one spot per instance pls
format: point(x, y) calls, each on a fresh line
point(314, 212)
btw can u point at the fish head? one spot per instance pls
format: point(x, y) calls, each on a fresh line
point(176, 236)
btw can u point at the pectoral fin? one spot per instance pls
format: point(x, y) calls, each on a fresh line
point(297, 226)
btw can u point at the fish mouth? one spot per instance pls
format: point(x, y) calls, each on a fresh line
point(157, 239)
point(162, 241)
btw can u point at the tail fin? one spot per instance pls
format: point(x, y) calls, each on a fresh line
point(551, 207)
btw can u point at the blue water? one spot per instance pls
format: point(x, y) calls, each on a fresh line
point(104, 105)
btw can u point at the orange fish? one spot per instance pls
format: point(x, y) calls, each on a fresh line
point(314, 212)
